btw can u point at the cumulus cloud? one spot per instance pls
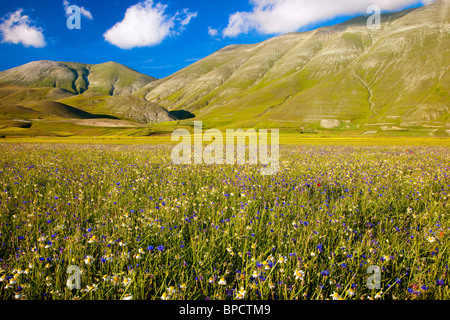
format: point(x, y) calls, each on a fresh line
point(83, 11)
point(146, 24)
point(16, 28)
point(282, 16)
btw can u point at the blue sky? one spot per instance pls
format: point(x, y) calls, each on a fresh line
point(159, 38)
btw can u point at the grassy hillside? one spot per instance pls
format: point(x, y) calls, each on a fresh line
point(115, 79)
point(108, 78)
point(341, 78)
point(11, 112)
point(95, 102)
point(59, 110)
point(124, 107)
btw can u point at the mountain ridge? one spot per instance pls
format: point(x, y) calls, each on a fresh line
point(109, 78)
point(345, 73)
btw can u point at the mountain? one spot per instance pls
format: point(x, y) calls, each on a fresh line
point(58, 102)
point(108, 78)
point(49, 89)
point(121, 106)
point(337, 78)
point(51, 108)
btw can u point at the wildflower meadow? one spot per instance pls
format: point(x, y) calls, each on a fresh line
point(126, 223)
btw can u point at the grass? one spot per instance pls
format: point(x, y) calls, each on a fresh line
point(163, 136)
point(140, 227)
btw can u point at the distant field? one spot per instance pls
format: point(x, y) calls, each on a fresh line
point(285, 139)
point(138, 227)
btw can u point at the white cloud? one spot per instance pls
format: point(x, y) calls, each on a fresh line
point(83, 11)
point(187, 19)
point(282, 16)
point(16, 28)
point(213, 32)
point(146, 24)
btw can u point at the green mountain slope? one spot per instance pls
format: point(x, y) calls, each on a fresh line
point(124, 107)
point(52, 108)
point(343, 77)
point(73, 90)
point(108, 78)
